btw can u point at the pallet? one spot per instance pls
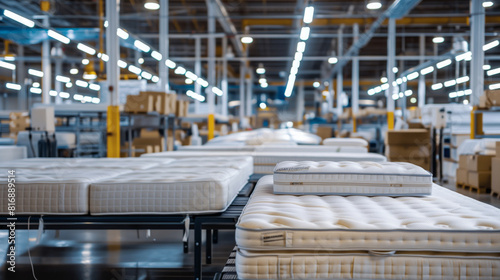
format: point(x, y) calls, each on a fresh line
point(495, 194)
point(479, 190)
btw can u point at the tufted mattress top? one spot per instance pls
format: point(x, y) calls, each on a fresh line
point(348, 178)
point(345, 142)
point(445, 221)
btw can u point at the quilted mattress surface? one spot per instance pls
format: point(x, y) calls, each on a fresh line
point(272, 158)
point(347, 178)
point(311, 149)
point(167, 191)
point(445, 221)
point(360, 265)
point(244, 164)
point(345, 142)
point(61, 191)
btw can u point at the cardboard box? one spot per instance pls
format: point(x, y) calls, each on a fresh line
point(479, 163)
point(462, 161)
point(481, 179)
point(181, 109)
point(462, 176)
point(324, 132)
point(163, 103)
point(139, 104)
point(408, 137)
point(497, 150)
point(495, 175)
point(484, 102)
point(408, 151)
point(493, 97)
point(422, 162)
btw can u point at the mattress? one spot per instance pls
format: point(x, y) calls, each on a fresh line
point(217, 148)
point(167, 191)
point(244, 164)
point(10, 153)
point(192, 154)
point(445, 221)
point(311, 149)
point(57, 191)
point(351, 178)
point(361, 265)
point(345, 142)
point(126, 163)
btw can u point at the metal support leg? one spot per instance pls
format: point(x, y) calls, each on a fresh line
point(209, 251)
point(197, 250)
point(215, 236)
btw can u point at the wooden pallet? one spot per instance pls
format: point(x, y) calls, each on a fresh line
point(473, 188)
point(495, 194)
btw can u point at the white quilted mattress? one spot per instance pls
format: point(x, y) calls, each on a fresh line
point(311, 149)
point(57, 191)
point(351, 178)
point(357, 142)
point(10, 153)
point(361, 265)
point(244, 164)
point(445, 221)
point(162, 190)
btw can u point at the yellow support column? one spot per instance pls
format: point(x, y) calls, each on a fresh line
point(354, 124)
point(472, 123)
point(113, 128)
point(211, 126)
point(390, 120)
point(476, 123)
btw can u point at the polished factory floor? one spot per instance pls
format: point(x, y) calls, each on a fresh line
point(122, 254)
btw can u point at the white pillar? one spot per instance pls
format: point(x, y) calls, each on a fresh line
point(421, 79)
point(197, 71)
point(46, 67)
point(477, 42)
point(249, 95)
point(224, 86)
point(391, 63)
point(242, 90)
point(211, 58)
point(21, 79)
point(58, 71)
point(164, 43)
point(355, 74)
point(300, 103)
point(339, 74)
point(112, 50)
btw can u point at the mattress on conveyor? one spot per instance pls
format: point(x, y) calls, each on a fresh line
point(244, 164)
point(362, 265)
point(167, 191)
point(311, 149)
point(351, 178)
point(357, 142)
point(192, 154)
point(55, 191)
point(126, 163)
point(442, 222)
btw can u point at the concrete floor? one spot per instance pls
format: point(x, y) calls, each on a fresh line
point(122, 254)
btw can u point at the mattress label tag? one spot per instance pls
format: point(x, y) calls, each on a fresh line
point(396, 185)
point(273, 238)
point(296, 183)
point(292, 169)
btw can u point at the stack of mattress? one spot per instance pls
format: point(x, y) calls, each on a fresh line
point(124, 186)
point(440, 236)
point(347, 145)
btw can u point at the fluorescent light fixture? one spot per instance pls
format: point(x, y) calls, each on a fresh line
point(191, 75)
point(399, 81)
point(395, 84)
point(195, 95)
point(412, 76)
point(413, 100)
point(308, 14)
point(140, 60)
point(246, 40)
point(405, 79)
point(106, 23)
point(462, 56)
point(437, 86)
point(383, 80)
point(122, 64)
point(460, 93)
point(450, 83)
point(487, 4)
point(81, 83)
point(395, 96)
point(152, 5)
point(264, 85)
point(63, 79)
point(395, 70)
point(401, 94)
point(298, 56)
point(89, 75)
point(7, 65)
point(122, 33)
point(170, 64)
point(59, 37)
point(64, 94)
point(468, 91)
point(188, 81)
point(262, 105)
point(9, 58)
point(73, 71)
point(95, 87)
point(452, 94)
point(180, 70)
point(19, 18)
point(371, 91)
point(438, 40)
point(316, 84)
point(35, 73)
point(202, 82)
point(304, 33)
point(490, 45)
point(493, 72)
point(86, 49)
point(156, 55)
point(486, 67)
point(69, 85)
point(134, 69)
point(87, 98)
point(96, 100)
point(36, 84)
point(217, 91)
point(463, 79)
point(13, 86)
point(378, 89)
point(373, 5)
point(103, 56)
point(333, 60)
point(155, 79)
point(384, 86)
point(293, 71)
point(146, 75)
point(262, 80)
point(494, 86)
point(36, 90)
point(141, 46)
point(408, 92)
point(260, 70)
point(465, 102)
point(296, 64)
point(78, 97)
point(53, 93)
point(443, 63)
point(85, 61)
point(301, 47)
point(427, 70)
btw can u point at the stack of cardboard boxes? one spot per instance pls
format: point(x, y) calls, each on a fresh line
point(19, 121)
point(155, 101)
point(474, 172)
point(495, 174)
point(490, 98)
point(409, 145)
